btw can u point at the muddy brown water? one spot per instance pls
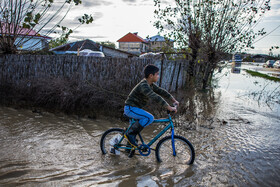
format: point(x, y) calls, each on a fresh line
point(242, 147)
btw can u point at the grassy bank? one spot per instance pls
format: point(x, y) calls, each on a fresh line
point(257, 74)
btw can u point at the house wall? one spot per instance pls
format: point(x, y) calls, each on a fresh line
point(133, 47)
point(30, 44)
point(259, 59)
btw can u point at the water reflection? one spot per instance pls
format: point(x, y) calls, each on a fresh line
point(198, 108)
point(236, 67)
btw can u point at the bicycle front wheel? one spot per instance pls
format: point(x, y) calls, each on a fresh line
point(184, 151)
point(110, 139)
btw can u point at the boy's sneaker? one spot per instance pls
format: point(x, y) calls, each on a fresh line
point(114, 151)
point(115, 139)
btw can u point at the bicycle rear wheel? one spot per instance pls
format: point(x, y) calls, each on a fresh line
point(184, 151)
point(110, 138)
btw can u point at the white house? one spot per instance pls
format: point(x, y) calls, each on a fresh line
point(32, 42)
point(26, 39)
point(133, 43)
point(157, 43)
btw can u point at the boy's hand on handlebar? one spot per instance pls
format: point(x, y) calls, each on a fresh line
point(175, 102)
point(172, 109)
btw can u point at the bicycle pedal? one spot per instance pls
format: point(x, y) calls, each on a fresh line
point(144, 150)
point(113, 151)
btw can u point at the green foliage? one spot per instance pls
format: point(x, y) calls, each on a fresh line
point(257, 74)
point(108, 44)
point(271, 58)
point(58, 42)
point(210, 28)
point(248, 59)
point(77, 2)
point(86, 19)
point(222, 25)
point(273, 47)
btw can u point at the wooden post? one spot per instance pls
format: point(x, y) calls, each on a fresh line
point(179, 70)
point(172, 76)
point(161, 69)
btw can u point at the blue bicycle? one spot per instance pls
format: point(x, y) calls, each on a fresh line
point(173, 148)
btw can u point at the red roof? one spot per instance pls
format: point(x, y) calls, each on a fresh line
point(131, 37)
point(20, 31)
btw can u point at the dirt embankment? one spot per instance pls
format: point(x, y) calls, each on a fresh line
point(270, 69)
point(62, 95)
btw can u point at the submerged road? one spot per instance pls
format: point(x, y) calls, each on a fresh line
point(242, 147)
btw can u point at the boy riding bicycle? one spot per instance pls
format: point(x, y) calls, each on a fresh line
point(146, 89)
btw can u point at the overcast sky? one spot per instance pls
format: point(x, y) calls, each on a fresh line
point(115, 18)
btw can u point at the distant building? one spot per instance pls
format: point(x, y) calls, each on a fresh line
point(158, 43)
point(27, 39)
point(133, 43)
point(75, 47)
point(259, 58)
point(236, 62)
point(236, 58)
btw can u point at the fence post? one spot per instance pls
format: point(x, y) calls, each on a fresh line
point(179, 70)
point(172, 76)
point(161, 69)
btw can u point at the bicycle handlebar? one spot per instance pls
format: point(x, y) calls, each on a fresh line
point(174, 105)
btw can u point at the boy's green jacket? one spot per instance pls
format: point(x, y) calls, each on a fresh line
point(141, 93)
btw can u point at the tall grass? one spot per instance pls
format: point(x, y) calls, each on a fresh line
point(257, 74)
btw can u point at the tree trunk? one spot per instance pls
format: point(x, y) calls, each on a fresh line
point(211, 65)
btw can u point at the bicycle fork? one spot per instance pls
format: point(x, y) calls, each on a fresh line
point(173, 141)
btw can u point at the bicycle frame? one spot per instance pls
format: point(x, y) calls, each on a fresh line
point(170, 125)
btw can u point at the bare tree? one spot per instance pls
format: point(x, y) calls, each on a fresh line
point(210, 28)
point(27, 18)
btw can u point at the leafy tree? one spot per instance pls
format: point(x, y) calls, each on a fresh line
point(108, 44)
point(210, 28)
point(58, 42)
point(248, 59)
point(26, 18)
point(271, 49)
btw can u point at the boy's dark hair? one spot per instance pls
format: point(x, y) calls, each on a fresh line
point(150, 69)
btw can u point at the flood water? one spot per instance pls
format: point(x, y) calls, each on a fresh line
point(240, 147)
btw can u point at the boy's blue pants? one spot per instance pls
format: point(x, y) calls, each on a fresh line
point(144, 117)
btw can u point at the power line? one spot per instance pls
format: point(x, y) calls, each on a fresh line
point(267, 34)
